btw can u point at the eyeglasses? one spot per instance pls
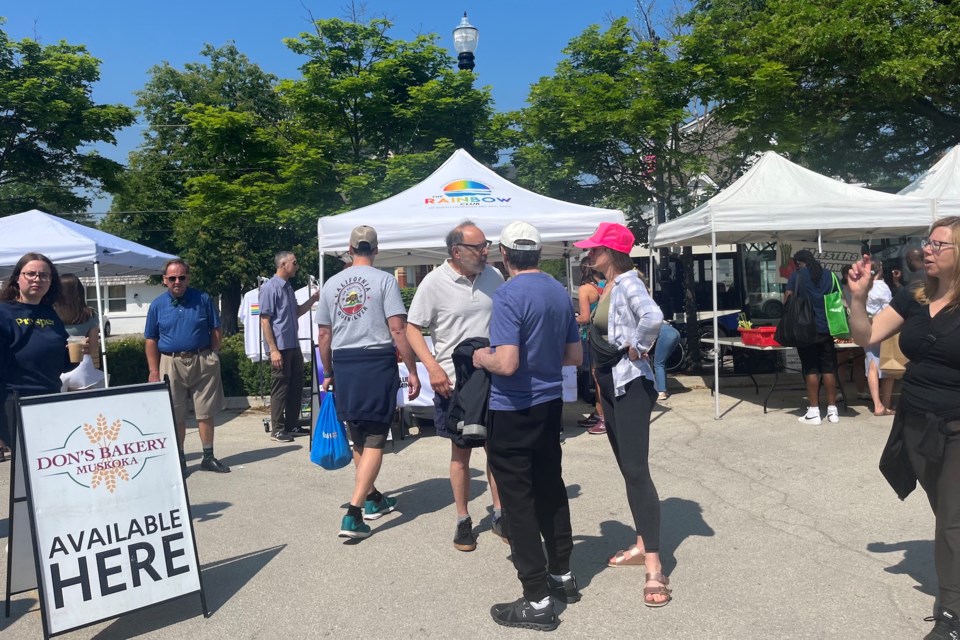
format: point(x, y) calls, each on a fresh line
point(42, 276)
point(477, 247)
point(176, 278)
point(936, 245)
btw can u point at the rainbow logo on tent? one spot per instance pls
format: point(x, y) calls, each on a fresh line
point(460, 188)
point(466, 193)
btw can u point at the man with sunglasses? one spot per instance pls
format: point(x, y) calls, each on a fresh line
point(183, 344)
point(454, 302)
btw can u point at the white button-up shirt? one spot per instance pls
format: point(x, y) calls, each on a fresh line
point(634, 320)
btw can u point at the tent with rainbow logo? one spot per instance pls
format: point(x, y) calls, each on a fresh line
point(411, 226)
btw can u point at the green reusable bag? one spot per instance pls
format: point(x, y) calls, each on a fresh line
point(836, 311)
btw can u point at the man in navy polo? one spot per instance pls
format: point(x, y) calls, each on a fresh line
point(183, 343)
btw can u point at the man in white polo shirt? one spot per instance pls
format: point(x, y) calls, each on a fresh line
point(454, 302)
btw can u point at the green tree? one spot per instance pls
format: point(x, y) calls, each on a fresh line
point(47, 123)
point(863, 89)
point(625, 122)
point(393, 110)
point(208, 181)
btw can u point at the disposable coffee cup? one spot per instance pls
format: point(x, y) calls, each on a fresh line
point(75, 347)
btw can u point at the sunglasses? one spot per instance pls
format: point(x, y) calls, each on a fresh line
point(176, 278)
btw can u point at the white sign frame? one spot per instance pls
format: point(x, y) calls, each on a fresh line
point(107, 501)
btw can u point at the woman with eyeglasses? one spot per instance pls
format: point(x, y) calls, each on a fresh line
point(33, 341)
point(924, 443)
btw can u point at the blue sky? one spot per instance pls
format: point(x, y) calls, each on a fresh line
point(520, 40)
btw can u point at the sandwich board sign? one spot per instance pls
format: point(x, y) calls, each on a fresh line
point(109, 516)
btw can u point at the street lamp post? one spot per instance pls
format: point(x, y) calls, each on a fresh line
point(465, 38)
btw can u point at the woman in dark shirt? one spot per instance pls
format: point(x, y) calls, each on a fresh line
point(813, 282)
point(33, 341)
point(924, 444)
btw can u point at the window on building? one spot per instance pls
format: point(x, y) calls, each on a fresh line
point(114, 298)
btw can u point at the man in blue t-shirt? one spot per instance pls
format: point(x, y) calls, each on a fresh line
point(183, 343)
point(533, 334)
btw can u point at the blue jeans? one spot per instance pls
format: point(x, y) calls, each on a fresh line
point(666, 343)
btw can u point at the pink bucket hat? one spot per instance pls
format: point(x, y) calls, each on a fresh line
point(610, 235)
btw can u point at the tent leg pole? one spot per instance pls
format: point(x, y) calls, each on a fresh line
point(716, 328)
point(103, 336)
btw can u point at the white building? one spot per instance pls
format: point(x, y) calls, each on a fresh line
point(125, 302)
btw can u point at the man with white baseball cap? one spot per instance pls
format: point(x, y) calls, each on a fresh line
point(533, 334)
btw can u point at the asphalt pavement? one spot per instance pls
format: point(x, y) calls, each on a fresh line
point(770, 529)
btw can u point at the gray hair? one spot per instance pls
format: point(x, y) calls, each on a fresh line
point(281, 257)
point(455, 236)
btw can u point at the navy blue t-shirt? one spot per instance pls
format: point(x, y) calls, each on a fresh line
point(814, 293)
point(534, 312)
point(33, 348)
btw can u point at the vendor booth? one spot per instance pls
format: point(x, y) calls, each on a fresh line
point(777, 200)
point(412, 225)
point(76, 249)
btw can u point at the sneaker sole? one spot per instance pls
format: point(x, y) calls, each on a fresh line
point(536, 626)
point(356, 535)
point(464, 547)
point(379, 514)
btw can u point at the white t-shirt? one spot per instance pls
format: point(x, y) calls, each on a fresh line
point(356, 304)
point(453, 309)
point(249, 316)
point(878, 297)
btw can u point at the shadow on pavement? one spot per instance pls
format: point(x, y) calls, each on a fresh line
point(679, 519)
point(917, 562)
point(421, 498)
point(255, 455)
point(222, 580)
point(208, 510)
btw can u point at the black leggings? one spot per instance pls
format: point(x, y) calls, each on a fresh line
point(628, 429)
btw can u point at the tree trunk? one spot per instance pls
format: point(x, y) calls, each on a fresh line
point(230, 300)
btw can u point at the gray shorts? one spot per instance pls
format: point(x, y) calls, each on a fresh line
point(365, 434)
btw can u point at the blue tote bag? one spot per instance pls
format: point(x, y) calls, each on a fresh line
point(330, 449)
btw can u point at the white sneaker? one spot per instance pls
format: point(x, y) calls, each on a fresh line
point(813, 419)
point(832, 415)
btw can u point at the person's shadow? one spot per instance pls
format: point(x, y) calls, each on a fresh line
point(917, 562)
point(679, 519)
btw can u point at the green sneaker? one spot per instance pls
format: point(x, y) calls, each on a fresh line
point(350, 527)
point(376, 510)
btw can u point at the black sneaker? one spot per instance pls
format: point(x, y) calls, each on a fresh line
point(521, 613)
point(564, 590)
point(281, 436)
point(212, 464)
point(464, 540)
point(946, 627)
point(297, 431)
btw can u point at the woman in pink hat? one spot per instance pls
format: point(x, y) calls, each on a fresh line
point(627, 322)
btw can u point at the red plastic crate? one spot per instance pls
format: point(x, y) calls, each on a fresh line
point(760, 337)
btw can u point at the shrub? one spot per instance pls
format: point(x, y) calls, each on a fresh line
point(241, 377)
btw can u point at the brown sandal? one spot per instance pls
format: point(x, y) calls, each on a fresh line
point(657, 591)
point(624, 558)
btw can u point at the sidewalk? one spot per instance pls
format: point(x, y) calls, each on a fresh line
point(770, 529)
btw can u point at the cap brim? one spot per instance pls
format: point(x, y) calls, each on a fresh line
point(589, 243)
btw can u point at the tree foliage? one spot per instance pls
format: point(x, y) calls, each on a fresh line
point(48, 120)
point(622, 123)
point(862, 89)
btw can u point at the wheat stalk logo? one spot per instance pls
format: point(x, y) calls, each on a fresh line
point(103, 435)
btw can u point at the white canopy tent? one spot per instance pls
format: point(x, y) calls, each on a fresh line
point(76, 249)
point(412, 225)
point(777, 200)
point(940, 183)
